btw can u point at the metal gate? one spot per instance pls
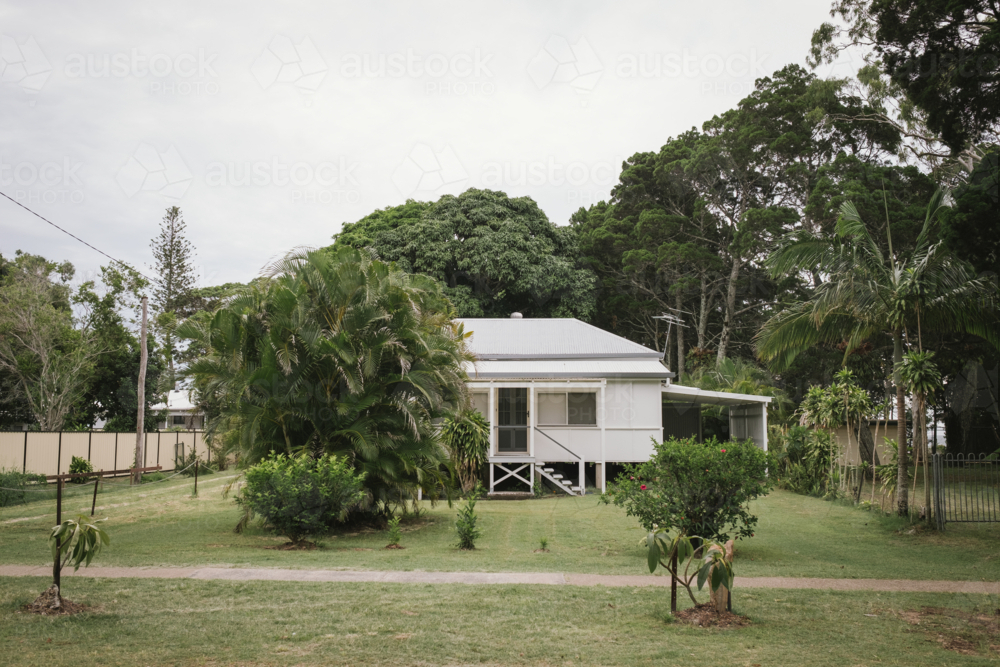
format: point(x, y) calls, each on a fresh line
point(966, 489)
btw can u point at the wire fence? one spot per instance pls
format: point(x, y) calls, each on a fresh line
point(50, 452)
point(966, 489)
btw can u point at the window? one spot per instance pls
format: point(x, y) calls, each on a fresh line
point(582, 409)
point(572, 409)
point(551, 409)
point(178, 420)
point(481, 403)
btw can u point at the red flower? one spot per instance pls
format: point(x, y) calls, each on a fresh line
point(723, 451)
point(643, 487)
point(632, 478)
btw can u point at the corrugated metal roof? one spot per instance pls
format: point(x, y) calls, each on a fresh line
point(568, 368)
point(177, 399)
point(676, 392)
point(556, 338)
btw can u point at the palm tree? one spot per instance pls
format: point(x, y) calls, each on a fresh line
point(869, 293)
point(335, 352)
point(921, 375)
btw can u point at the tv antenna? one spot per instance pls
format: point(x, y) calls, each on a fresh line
point(671, 319)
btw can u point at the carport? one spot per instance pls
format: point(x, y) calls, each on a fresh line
point(682, 413)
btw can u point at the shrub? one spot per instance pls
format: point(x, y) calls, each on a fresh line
point(394, 533)
point(467, 438)
point(13, 483)
point(301, 496)
point(700, 489)
point(802, 460)
point(466, 523)
point(80, 465)
point(185, 465)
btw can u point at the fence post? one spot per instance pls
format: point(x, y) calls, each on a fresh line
point(24, 464)
point(938, 492)
point(116, 451)
point(157, 446)
point(59, 456)
point(93, 505)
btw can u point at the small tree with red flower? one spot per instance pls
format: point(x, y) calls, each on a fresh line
point(696, 489)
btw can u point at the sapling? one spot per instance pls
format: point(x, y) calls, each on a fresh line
point(466, 523)
point(394, 533)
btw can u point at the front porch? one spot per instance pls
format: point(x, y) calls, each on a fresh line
point(537, 423)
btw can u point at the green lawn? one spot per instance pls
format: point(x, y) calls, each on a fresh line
point(145, 622)
point(160, 524)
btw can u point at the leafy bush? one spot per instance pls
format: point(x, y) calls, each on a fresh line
point(80, 465)
point(185, 465)
point(467, 438)
point(468, 533)
point(803, 460)
point(301, 496)
point(394, 532)
point(13, 483)
point(700, 489)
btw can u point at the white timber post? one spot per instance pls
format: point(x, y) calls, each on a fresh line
point(531, 435)
point(603, 415)
point(763, 421)
point(492, 433)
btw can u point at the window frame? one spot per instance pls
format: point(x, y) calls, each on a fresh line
point(566, 408)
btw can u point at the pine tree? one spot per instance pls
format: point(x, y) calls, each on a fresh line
point(174, 282)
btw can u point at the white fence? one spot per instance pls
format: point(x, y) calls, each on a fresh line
point(50, 452)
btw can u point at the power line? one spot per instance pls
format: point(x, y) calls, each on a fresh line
point(41, 217)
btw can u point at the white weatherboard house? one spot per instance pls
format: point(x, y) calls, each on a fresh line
point(560, 391)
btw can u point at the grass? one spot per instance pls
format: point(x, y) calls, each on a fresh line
point(144, 622)
point(161, 524)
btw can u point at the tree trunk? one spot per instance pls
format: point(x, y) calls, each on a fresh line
point(902, 502)
point(680, 340)
point(727, 322)
point(924, 454)
point(703, 308)
point(866, 444)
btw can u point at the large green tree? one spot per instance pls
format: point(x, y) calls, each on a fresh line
point(335, 352)
point(494, 254)
point(942, 56)
point(687, 228)
point(109, 313)
point(46, 358)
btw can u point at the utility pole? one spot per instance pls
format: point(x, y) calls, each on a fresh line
point(140, 426)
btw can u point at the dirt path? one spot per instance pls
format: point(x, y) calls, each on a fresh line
point(545, 578)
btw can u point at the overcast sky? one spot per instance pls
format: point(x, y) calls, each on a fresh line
point(272, 123)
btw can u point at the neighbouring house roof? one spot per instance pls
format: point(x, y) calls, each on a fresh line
point(553, 338)
point(177, 401)
point(555, 348)
point(675, 392)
